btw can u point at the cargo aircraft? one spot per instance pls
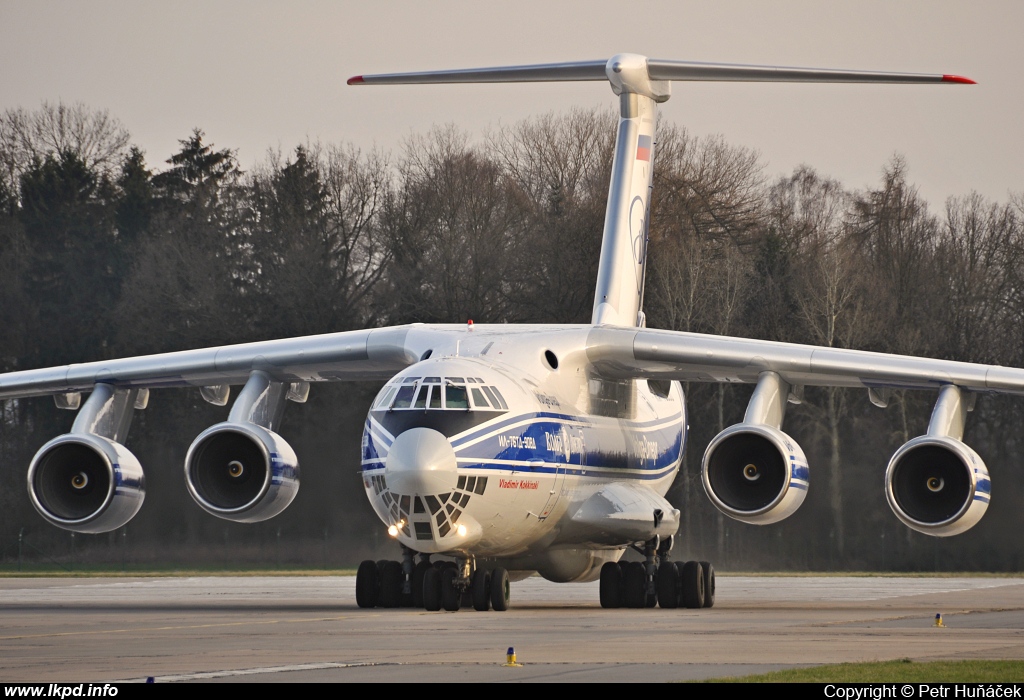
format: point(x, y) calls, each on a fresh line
point(513, 450)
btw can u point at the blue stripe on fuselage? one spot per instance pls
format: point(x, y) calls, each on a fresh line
point(558, 441)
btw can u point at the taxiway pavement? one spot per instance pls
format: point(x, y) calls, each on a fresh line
point(293, 629)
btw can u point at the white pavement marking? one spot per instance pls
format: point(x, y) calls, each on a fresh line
point(210, 675)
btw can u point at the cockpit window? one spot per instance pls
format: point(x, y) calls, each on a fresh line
point(404, 397)
point(455, 396)
point(436, 393)
point(421, 398)
point(478, 399)
point(496, 399)
point(386, 394)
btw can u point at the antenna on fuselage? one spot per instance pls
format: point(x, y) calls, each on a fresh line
point(641, 83)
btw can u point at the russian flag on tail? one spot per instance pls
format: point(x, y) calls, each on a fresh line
point(643, 148)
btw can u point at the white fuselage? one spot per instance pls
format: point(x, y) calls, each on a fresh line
point(534, 433)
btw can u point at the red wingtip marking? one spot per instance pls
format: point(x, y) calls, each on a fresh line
point(356, 79)
point(957, 79)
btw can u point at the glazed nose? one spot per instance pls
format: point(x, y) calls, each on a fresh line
point(421, 461)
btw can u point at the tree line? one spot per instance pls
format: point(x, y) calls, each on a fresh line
point(104, 255)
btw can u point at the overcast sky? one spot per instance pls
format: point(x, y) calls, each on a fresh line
point(256, 75)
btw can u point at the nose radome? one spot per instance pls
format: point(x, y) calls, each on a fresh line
point(421, 461)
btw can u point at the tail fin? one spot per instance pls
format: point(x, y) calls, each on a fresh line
point(641, 84)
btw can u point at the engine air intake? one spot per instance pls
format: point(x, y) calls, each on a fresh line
point(241, 472)
point(755, 473)
point(234, 470)
point(937, 485)
point(747, 472)
point(86, 483)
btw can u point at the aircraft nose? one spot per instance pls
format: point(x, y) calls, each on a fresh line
point(421, 461)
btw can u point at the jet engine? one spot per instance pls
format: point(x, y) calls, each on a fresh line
point(755, 473)
point(937, 485)
point(86, 483)
point(241, 472)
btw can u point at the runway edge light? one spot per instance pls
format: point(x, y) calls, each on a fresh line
point(510, 658)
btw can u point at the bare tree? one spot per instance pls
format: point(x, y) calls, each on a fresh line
point(457, 233)
point(706, 187)
point(811, 211)
point(98, 139)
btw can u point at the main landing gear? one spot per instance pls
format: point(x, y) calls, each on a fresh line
point(656, 580)
point(431, 585)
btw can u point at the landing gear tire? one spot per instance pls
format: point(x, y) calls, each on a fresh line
point(634, 586)
point(417, 582)
point(667, 585)
point(501, 589)
point(709, 584)
point(692, 579)
point(451, 596)
point(391, 580)
point(480, 589)
point(611, 585)
point(432, 589)
point(366, 584)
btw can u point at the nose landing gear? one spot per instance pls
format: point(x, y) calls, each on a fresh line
point(431, 585)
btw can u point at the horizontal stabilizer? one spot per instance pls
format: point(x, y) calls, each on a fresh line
point(693, 70)
point(657, 69)
point(545, 72)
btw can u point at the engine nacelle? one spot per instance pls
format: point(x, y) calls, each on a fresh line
point(241, 472)
point(86, 483)
point(937, 485)
point(755, 473)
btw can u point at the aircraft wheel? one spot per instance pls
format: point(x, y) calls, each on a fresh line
point(709, 584)
point(391, 579)
point(432, 589)
point(481, 590)
point(634, 586)
point(692, 575)
point(667, 585)
point(417, 582)
point(366, 584)
point(501, 589)
point(611, 585)
point(451, 596)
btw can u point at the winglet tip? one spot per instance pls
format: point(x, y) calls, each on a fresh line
point(958, 79)
point(355, 80)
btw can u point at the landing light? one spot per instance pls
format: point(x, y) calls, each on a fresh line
point(394, 529)
point(461, 529)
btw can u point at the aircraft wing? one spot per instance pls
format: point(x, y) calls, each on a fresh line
point(694, 357)
point(347, 356)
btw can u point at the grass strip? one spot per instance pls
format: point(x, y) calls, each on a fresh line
point(899, 671)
